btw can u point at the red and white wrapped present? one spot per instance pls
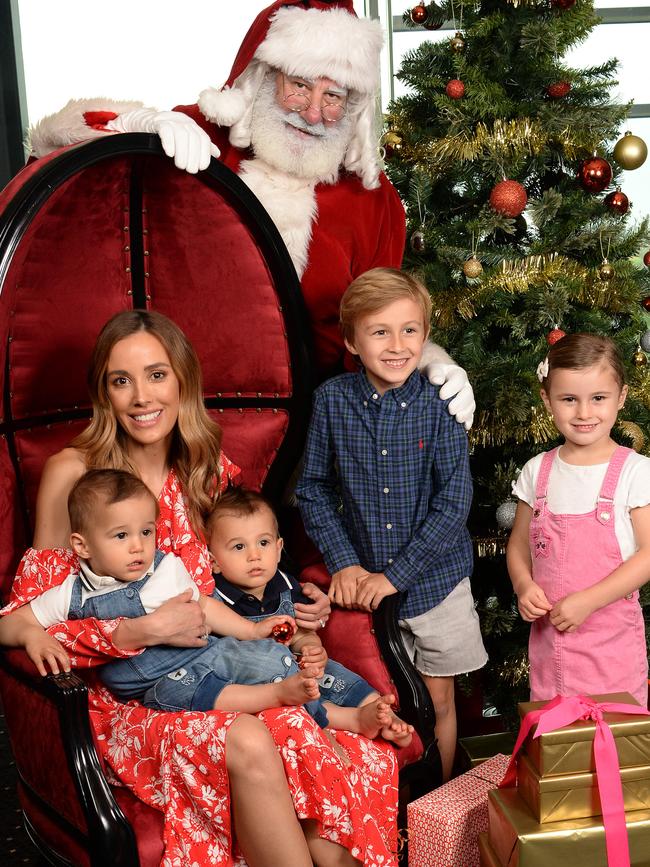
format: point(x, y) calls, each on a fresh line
point(444, 825)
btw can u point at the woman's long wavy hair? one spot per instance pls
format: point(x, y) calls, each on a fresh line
point(196, 439)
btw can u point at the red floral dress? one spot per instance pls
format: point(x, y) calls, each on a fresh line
point(175, 762)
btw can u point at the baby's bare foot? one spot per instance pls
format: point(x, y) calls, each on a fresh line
point(397, 732)
point(378, 718)
point(298, 688)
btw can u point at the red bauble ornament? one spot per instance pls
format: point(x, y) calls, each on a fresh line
point(555, 335)
point(595, 174)
point(419, 14)
point(646, 259)
point(646, 303)
point(563, 4)
point(455, 89)
point(558, 89)
point(282, 632)
point(617, 202)
point(508, 198)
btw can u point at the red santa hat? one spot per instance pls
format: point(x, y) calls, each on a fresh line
point(312, 39)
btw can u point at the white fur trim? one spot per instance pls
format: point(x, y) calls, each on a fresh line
point(330, 43)
point(226, 106)
point(67, 126)
point(289, 201)
point(433, 354)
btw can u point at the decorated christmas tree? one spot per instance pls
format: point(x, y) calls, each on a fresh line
point(511, 165)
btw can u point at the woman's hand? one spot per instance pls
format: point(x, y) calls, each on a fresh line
point(45, 651)
point(179, 622)
point(312, 615)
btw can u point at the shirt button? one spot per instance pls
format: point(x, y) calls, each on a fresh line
point(386, 490)
point(389, 526)
point(390, 559)
point(375, 397)
point(365, 403)
point(384, 451)
point(403, 404)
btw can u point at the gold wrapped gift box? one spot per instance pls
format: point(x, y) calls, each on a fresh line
point(519, 841)
point(575, 796)
point(486, 852)
point(569, 750)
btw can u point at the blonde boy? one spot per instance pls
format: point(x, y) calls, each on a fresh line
point(386, 488)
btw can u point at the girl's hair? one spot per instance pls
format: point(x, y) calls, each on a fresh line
point(578, 351)
point(196, 439)
point(376, 289)
point(98, 488)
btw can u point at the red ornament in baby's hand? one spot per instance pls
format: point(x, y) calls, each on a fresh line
point(282, 632)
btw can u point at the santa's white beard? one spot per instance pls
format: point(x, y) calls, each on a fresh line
point(276, 140)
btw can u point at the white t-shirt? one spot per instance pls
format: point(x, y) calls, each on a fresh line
point(573, 490)
point(169, 579)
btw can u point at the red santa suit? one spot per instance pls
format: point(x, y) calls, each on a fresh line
point(334, 231)
point(355, 229)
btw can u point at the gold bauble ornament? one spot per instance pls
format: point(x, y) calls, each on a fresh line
point(391, 142)
point(606, 271)
point(630, 152)
point(457, 44)
point(639, 358)
point(632, 430)
point(472, 267)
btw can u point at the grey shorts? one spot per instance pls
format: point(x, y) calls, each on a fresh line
point(446, 640)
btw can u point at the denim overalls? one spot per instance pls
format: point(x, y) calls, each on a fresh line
point(338, 684)
point(181, 678)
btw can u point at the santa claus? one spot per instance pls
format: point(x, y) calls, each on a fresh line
point(296, 121)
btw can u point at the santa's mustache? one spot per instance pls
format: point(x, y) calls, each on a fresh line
point(317, 129)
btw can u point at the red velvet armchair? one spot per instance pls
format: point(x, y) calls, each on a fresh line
point(84, 233)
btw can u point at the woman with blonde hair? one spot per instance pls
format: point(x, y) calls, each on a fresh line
point(149, 418)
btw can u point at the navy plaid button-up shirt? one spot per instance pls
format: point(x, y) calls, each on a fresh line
point(386, 485)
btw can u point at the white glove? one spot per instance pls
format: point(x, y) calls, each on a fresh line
point(454, 381)
point(181, 138)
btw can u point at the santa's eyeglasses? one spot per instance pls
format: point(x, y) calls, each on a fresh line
point(297, 95)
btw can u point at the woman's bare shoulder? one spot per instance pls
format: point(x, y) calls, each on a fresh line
point(68, 465)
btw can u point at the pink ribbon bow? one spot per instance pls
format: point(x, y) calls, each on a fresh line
point(562, 712)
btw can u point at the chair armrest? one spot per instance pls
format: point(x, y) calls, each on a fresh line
point(110, 837)
point(416, 706)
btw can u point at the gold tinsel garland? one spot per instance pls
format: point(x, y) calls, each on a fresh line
point(505, 139)
point(492, 428)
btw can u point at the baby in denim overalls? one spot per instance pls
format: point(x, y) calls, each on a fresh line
point(113, 520)
point(245, 547)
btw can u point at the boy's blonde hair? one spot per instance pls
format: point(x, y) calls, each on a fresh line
point(376, 289)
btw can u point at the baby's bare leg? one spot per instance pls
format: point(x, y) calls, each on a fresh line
point(296, 689)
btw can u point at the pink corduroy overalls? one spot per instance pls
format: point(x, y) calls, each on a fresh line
point(607, 653)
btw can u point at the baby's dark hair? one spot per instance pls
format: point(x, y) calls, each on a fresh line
point(579, 351)
point(98, 488)
point(239, 502)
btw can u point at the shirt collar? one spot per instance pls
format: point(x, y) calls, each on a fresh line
point(92, 581)
point(231, 593)
point(402, 396)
